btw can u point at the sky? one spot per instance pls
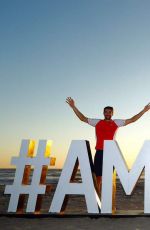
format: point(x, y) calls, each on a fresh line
point(95, 51)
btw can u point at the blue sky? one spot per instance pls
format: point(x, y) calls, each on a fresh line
point(97, 52)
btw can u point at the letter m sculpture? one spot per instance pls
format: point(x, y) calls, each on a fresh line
point(113, 158)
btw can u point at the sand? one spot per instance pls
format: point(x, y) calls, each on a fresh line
point(138, 223)
point(77, 204)
point(76, 207)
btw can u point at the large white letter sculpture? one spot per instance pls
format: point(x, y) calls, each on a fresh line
point(113, 158)
point(21, 184)
point(78, 151)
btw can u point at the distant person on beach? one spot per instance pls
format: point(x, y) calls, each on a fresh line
point(105, 129)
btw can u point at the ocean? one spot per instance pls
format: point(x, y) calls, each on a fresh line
point(7, 176)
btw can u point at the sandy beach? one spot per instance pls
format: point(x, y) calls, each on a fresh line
point(138, 223)
point(78, 217)
point(76, 203)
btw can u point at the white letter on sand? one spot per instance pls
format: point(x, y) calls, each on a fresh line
point(114, 158)
point(79, 150)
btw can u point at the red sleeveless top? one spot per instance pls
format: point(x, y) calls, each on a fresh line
point(105, 130)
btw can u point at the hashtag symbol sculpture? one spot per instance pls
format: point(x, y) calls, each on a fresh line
point(21, 184)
